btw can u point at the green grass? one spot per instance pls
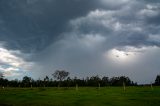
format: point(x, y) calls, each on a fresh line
point(87, 96)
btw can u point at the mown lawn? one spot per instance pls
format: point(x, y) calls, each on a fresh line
point(84, 96)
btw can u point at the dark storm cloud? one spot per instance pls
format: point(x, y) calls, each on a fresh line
point(77, 35)
point(32, 25)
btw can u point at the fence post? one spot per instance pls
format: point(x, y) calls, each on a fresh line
point(124, 86)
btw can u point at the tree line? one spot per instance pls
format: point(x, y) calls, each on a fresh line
point(62, 79)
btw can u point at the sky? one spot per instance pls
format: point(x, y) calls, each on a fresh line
point(84, 37)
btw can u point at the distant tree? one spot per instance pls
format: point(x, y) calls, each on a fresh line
point(60, 75)
point(46, 81)
point(125, 80)
point(1, 79)
point(1, 75)
point(69, 81)
point(14, 83)
point(46, 78)
point(157, 81)
point(105, 81)
point(26, 81)
point(94, 81)
point(119, 81)
point(63, 80)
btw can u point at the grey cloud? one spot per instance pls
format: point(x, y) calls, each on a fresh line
point(75, 35)
point(42, 22)
point(123, 26)
point(35, 25)
point(119, 28)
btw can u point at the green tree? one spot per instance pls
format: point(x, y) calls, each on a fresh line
point(60, 75)
point(26, 81)
point(1, 79)
point(157, 81)
point(46, 81)
point(1, 75)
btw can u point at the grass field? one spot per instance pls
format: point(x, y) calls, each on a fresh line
point(87, 96)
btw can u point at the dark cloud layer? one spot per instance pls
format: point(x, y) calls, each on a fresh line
point(82, 36)
point(33, 25)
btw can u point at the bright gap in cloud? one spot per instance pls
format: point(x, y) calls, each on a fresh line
point(128, 55)
point(119, 56)
point(11, 64)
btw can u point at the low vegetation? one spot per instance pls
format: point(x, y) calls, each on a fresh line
point(84, 96)
point(91, 91)
point(61, 79)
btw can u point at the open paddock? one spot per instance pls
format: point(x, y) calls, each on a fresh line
point(83, 96)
